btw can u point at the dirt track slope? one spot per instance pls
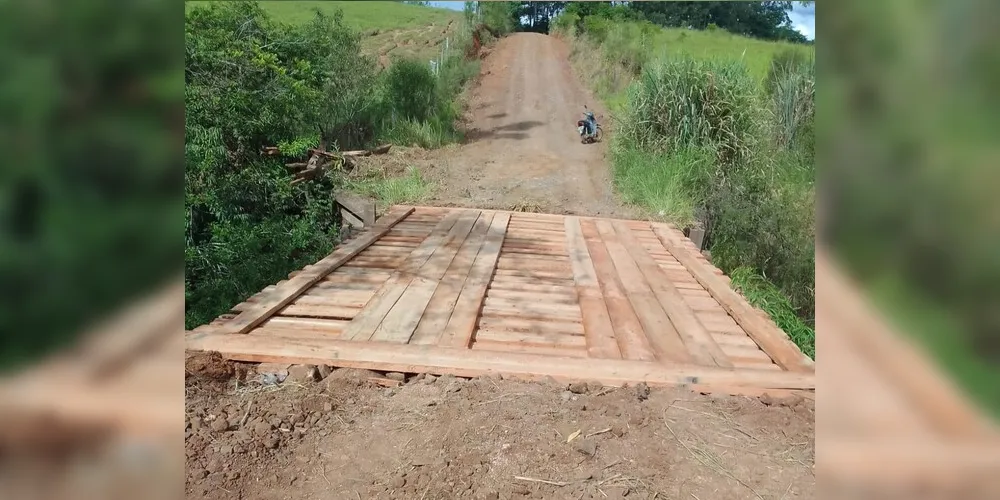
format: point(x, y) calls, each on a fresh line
point(523, 151)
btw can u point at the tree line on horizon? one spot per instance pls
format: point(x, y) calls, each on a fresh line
point(767, 20)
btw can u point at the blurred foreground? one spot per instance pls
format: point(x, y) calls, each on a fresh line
point(103, 419)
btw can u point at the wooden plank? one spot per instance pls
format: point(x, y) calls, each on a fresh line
point(539, 288)
point(561, 296)
point(721, 323)
point(621, 273)
point(401, 321)
point(285, 294)
point(363, 325)
point(600, 331)
point(521, 324)
point(313, 311)
point(331, 326)
point(697, 340)
point(361, 207)
point(533, 337)
point(311, 348)
point(521, 347)
point(462, 323)
point(439, 309)
point(338, 299)
point(768, 336)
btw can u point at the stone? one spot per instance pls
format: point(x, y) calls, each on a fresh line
point(578, 388)
point(220, 425)
point(303, 373)
point(520, 489)
point(327, 406)
point(566, 396)
point(225, 450)
point(429, 379)
point(398, 482)
point(324, 371)
point(271, 442)
point(399, 377)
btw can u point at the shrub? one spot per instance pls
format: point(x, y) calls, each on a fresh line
point(784, 62)
point(251, 82)
point(411, 89)
point(597, 28)
point(793, 103)
point(691, 103)
point(692, 139)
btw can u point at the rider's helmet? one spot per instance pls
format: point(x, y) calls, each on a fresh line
point(589, 114)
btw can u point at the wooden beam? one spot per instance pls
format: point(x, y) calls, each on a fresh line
point(771, 339)
point(696, 338)
point(284, 294)
point(462, 323)
point(363, 326)
point(401, 321)
point(603, 340)
point(317, 348)
point(439, 309)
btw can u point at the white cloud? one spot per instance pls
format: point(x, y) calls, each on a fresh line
point(804, 19)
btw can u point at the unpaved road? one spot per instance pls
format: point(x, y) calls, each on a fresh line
point(523, 151)
point(348, 438)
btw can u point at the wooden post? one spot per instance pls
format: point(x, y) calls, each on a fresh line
point(355, 210)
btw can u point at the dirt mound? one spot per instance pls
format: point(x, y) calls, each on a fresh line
point(208, 365)
point(447, 437)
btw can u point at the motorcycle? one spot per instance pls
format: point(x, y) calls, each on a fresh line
point(596, 131)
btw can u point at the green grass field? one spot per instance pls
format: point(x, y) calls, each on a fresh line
point(720, 44)
point(390, 29)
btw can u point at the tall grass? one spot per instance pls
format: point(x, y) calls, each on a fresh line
point(720, 138)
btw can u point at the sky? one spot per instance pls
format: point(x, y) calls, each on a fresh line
point(803, 18)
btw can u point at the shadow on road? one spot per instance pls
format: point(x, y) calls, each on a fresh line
point(514, 131)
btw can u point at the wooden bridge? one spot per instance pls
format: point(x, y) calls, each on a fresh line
point(470, 292)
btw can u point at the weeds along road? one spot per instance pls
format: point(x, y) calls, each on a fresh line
point(523, 151)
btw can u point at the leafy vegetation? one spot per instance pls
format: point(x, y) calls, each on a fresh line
point(709, 140)
point(251, 82)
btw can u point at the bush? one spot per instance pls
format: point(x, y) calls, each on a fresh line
point(783, 63)
point(411, 89)
point(793, 103)
point(693, 139)
point(692, 103)
point(597, 28)
point(245, 225)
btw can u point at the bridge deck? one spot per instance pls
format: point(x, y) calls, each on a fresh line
point(468, 292)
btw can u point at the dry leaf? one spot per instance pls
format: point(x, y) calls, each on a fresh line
point(573, 436)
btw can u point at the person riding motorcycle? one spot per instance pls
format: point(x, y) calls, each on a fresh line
point(590, 123)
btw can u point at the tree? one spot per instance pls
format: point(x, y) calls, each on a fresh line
point(767, 20)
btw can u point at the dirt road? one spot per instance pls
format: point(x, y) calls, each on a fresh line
point(523, 151)
point(488, 438)
point(347, 437)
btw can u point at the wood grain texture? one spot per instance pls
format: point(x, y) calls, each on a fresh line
point(765, 333)
point(462, 323)
point(286, 293)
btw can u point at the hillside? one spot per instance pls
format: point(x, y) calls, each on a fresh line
point(389, 29)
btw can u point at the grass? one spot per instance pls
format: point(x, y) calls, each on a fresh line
point(389, 29)
point(706, 130)
point(411, 188)
point(722, 45)
point(764, 295)
point(359, 15)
